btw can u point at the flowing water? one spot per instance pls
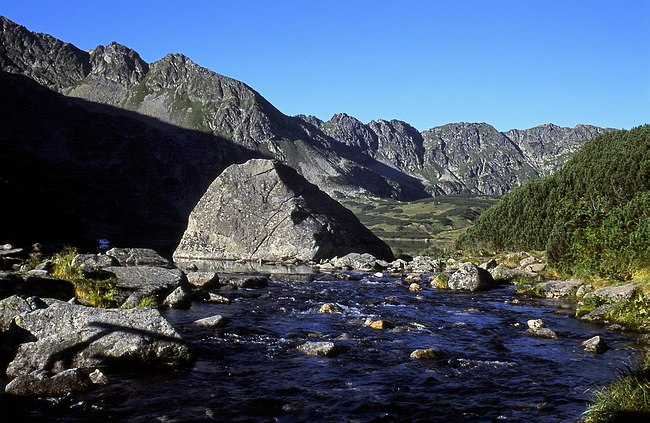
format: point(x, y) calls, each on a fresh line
point(250, 369)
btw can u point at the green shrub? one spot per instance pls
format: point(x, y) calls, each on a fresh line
point(592, 217)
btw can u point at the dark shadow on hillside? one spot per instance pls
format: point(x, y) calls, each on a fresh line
point(72, 171)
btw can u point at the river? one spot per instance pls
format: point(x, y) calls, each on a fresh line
point(250, 369)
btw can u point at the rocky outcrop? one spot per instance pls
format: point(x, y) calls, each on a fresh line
point(74, 336)
point(265, 210)
point(470, 277)
point(461, 157)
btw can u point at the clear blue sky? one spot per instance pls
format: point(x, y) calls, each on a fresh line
point(510, 63)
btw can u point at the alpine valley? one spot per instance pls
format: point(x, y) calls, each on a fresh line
point(119, 148)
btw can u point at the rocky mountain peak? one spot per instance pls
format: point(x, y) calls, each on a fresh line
point(351, 131)
point(118, 63)
point(49, 61)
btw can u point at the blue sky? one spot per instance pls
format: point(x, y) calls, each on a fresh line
point(510, 63)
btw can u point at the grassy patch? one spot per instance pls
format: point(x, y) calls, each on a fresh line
point(95, 292)
point(624, 400)
point(148, 301)
point(429, 226)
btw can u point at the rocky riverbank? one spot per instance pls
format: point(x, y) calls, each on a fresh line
point(54, 343)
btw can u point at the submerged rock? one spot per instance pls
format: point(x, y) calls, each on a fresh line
point(426, 354)
point(247, 282)
point(263, 209)
point(330, 308)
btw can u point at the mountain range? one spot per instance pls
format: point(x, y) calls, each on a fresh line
point(86, 131)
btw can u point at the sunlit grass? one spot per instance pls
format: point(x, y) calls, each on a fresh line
point(92, 291)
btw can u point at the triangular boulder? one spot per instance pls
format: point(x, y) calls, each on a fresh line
point(265, 210)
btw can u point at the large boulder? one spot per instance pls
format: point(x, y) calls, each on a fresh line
point(470, 277)
point(263, 209)
point(73, 336)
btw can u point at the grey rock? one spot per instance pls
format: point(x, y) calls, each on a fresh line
point(204, 280)
point(559, 288)
point(93, 263)
point(180, 297)
point(138, 257)
point(321, 349)
point(503, 274)
point(527, 261)
point(216, 298)
point(424, 264)
point(536, 267)
point(247, 282)
point(535, 324)
point(211, 322)
point(45, 384)
point(134, 283)
point(617, 293)
point(265, 210)
point(542, 333)
point(471, 278)
point(70, 336)
point(11, 308)
point(98, 378)
point(356, 261)
point(583, 290)
point(595, 345)
point(536, 327)
point(598, 314)
point(488, 265)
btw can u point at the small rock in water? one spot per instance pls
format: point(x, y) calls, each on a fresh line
point(330, 308)
point(414, 287)
point(535, 324)
point(216, 298)
point(391, 299)
point(250, 282)
point(536, 327)
point(211, 322)
point(320, 349)
point(98, 378)
point(595, 345)
point(426, 354)
point(379, 324)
